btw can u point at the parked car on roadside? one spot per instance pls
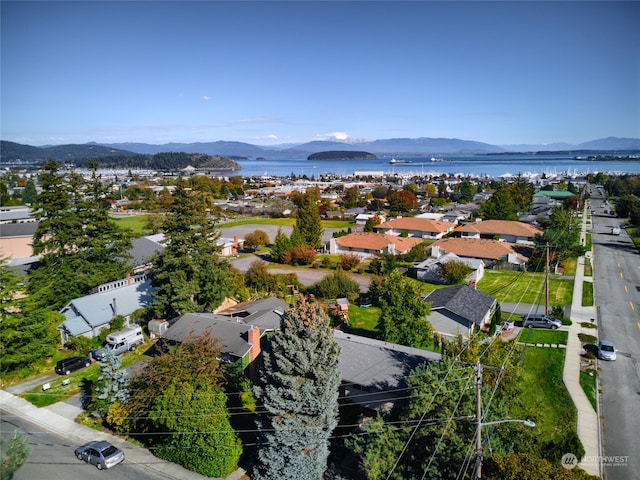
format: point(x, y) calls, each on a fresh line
point(606, 350)
point(539, 320)
point(100, 453)
point(71, 364)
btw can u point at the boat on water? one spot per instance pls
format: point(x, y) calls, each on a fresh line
point(395, 161)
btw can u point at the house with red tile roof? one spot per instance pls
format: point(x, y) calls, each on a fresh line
point(505, 230)
point(369, 244)
point(491, 252)
point(416, 227)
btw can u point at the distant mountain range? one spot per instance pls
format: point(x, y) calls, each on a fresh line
point(423, 146)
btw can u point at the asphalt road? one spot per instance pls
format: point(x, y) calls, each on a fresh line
point(616, 287)
point(52, 457)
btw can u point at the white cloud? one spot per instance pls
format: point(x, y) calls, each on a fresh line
point(340, 136)
point(206, 98)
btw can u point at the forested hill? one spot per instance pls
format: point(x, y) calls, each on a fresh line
point(164, 161)
point(342, 155)
point(104, 157)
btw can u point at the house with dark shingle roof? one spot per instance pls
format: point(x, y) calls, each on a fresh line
point(459, 310)
point(369, 244)
point(374, 372)
point(239, 327)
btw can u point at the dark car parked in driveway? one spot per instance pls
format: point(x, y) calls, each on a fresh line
point(68, 365)
point(100, 453)
point(538, 320)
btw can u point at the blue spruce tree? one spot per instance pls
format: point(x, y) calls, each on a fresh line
point(298, 391)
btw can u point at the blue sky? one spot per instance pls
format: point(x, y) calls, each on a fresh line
point(289, 72)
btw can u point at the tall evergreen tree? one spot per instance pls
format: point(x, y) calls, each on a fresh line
point(500, 206)
point(281, 244)
point(298, 391)
point(308, 228)
point(27, 332)
point(80, 245)
point(29, 193)
point(190, 276)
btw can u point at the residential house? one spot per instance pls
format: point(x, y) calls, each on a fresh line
point(459, 310)
point(429, 269)
point(361, 218)
point(16, 214)
point(228, 246)
point(239, 327)
point(369, 244)
point(87, 316)
point(16, 240)
point(373, 372)
point(493, 253)
point(416, 227)
point(504, 230)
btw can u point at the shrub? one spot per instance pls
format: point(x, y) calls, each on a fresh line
point(301, 255)
point(349, 261)
point(253, 241)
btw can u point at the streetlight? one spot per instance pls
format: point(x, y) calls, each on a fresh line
point(527, 423)
point(478, 475)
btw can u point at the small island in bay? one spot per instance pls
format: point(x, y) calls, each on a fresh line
point(342, 155)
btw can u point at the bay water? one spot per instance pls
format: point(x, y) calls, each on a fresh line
point(490, 166)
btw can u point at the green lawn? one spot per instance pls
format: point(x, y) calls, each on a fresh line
point(136, 224)
point(59, 392)
point(589, 383)
point(508, 286)
point(531, 335)
point(544, 397)
point(587, 294)
point(361, 318)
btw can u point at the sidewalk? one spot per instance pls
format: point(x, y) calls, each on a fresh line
point(59, 419)
point(588, 423)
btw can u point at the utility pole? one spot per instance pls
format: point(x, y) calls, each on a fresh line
point(479, 450)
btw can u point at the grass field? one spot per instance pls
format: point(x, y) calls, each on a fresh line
point(508, 286)
point(136, 224)
point(544, 397)
point(531, 335)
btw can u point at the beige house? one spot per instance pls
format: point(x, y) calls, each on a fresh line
point(425, 228)
point(16, 240)
point(505, 231)
point(487, 250)
point(369, 244)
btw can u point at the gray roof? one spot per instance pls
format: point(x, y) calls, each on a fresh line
point(375, 364)
point(264, 313)
point(23, 229)
point(142, 249)
point(85, 313)
point(462, 300)
point(231, 332)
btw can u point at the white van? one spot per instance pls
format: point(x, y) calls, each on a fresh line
point(119, 342)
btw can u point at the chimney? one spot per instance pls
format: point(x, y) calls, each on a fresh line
point(114, 307)
point(435, 251)
point(235, 241)
point(128, 278)
point(253, 338)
